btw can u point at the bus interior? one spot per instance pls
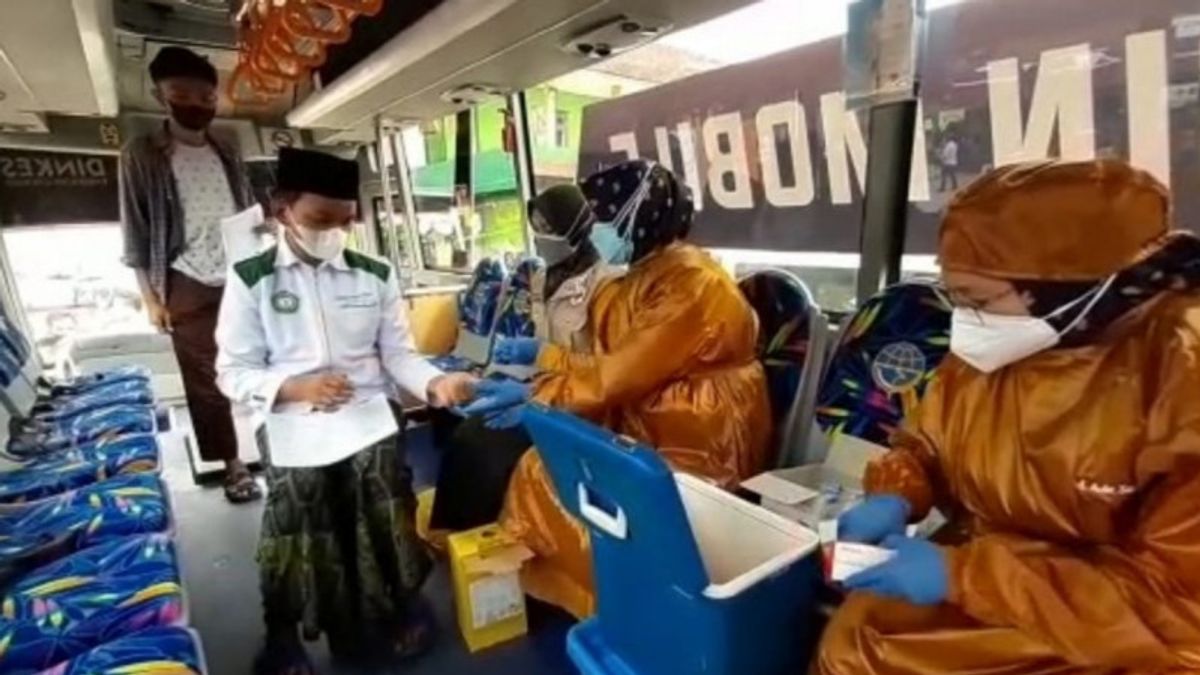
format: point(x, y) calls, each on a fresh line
point(458, 112)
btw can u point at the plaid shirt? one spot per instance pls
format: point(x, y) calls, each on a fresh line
point(151, 211)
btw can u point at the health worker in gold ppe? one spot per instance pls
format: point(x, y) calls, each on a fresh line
point(1061, 438)
point(672, 363)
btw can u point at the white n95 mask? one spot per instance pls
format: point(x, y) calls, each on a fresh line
point(988, 342)
point(322, 244)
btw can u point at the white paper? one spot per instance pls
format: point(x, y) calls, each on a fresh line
point(850, 559)
point(495, 599)
point(241, 236)
point(784, 491)
point(324, 438)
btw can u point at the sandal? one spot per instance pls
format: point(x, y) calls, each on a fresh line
point(241, 488)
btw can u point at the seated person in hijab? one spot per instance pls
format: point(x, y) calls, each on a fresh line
point(671, 363)
point(1062, 437)
point(479, 459)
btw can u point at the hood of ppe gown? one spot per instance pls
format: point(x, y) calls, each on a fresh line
point(1054, 221)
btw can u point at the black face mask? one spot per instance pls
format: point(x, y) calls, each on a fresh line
point(192, 117)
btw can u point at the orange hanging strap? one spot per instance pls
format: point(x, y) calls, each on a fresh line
point(316, 22)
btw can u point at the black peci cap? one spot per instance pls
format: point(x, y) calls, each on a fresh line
point(318, 173)
point(179, 62)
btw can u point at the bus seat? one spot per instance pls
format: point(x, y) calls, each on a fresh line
point(433, 320)
point(85, 384)
point(96, 425)
point(792, 339)
point(515, 318)
point(63, 609)
point(63, 408)
point(886, 355)
point(169, 649)
point(477, 311)
point(58, 472)
point(52, 528)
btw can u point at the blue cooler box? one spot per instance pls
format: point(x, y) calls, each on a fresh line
point(689, 578)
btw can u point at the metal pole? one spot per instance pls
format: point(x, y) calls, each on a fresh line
point(523, 160)
point(885, 205)
point(884, 44)
point(408, 199)
point(385, 182)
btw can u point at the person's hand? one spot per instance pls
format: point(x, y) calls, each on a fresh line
point(917, 574)
point(877, 517)
point(493, 396)
point(504, 419)
point(160, 316)
point(451, 389)
point(517, 351)
point(324, 391)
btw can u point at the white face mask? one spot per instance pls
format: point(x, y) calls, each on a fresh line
point(321, 244)
point(988, 342)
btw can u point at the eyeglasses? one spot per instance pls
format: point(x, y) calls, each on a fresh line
point(963, 301)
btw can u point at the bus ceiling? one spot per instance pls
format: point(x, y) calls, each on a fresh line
point(61, 60)
point(429, 68)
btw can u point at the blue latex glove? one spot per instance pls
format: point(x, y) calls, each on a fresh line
point(917, 574)
point(508, 418)
point(876, 518)
point(493, 396)
point(517, 351)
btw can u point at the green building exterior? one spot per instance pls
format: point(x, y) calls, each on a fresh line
point(556, 119)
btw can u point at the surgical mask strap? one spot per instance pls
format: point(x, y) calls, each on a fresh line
point(634, 204)
point(1097, 295)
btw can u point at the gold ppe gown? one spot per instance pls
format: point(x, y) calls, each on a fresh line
point(673, 365)
point(1074, 475)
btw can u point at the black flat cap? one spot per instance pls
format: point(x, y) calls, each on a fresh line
point(318, 173)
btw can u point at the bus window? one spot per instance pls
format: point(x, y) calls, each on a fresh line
point(682, 102)
point(457, 226)
point(81, 290)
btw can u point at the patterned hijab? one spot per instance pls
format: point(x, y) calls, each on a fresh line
point(644, 201)
point(1173, 267)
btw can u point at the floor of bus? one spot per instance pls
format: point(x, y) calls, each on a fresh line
point(217, 542)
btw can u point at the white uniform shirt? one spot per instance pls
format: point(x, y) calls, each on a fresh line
point(282, 317)
point(204, 193)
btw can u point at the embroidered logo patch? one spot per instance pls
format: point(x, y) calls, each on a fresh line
point(285, 302)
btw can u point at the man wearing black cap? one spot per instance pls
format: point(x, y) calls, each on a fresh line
point(313, 332)
point(178, 183)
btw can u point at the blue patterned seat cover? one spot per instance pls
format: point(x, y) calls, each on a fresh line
point(783, 305)
point(165, 650)
point(481, 299)
point(55, 473)
point(12, 341)
point(95, 596)
point(477, 308)
point(95, 381)
point(63, 408)
point(10, 370)
point(516, 312)
point(886, 357)
point(89, 516)
point(90, 427)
